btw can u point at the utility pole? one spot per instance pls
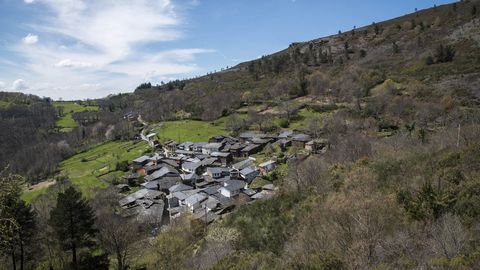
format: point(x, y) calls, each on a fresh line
point(458, 135)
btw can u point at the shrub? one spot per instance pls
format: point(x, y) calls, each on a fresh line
point(122, 166)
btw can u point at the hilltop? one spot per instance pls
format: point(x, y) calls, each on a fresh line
point(342, 67)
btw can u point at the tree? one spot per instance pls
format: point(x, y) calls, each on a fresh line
point(17, 220)
point(117, 234)
point(72, 220)
point(444, 54)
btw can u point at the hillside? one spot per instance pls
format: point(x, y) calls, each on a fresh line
point(395, 106)
point(339, 68)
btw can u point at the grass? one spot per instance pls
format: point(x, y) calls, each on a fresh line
point(66, 122)
point(91, 169)
point(95, 168)
point(30, 196)
point(4, 104)
point(189, 130)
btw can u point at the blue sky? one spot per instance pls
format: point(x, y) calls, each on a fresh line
point(76, 49)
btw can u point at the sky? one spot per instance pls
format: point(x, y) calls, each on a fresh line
point(79, 49)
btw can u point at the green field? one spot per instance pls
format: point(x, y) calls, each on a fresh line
point(189, 130)
point(4, 104)
point(66, 122)
point(29, 196)
point(95, 169)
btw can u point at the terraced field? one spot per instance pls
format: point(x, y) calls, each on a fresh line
point(66, 123)
point(96, 168)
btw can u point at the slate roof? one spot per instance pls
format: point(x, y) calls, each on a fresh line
point(250, 147)
point(184, 152)
point(170, 162)
point(141, 159)
point(189, 177)
point(179, 187)
point(247, 171)
point(160, 173)
point(195, 198)
point(185, 145)
point(242, 164)
point(267, 163)
point(212, 146)
point(301, 137)
point(211, 189)
point(234, 185)
point(260, 141)
point(142, 193)
point(220, 154)
point(191, 166)
point(249, 192)
point(285, 134)
point(163, 183)
point(180, 195)
point(249, 135)
point(199, 144)
point(208, 161)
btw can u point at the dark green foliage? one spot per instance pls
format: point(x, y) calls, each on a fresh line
point(446, 189)
point(444, 54)
point(376, 28)
point(429, 60)
point(72, 219)
point(122, 166)
point(146, 85)
point(468, 202)
point(324, 108)
point(425, 204)
point(89, 261)
point(363, 53)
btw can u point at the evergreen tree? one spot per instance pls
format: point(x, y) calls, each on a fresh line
point(72, 220)
point(17, 220)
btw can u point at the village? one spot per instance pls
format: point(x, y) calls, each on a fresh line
point(205, 179)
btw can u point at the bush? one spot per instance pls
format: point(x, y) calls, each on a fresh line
point(265, 225)
point(122, 166)
point(444, 54)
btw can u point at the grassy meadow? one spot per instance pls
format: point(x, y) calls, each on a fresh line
point(96, 168)
point(189, 130)
point(66, 122)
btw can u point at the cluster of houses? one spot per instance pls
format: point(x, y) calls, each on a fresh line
point(206, 179)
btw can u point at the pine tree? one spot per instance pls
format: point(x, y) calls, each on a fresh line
point(17, 220)
point(72, 220)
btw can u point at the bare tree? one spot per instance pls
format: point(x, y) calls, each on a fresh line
point(117, 234)
point(449, 237)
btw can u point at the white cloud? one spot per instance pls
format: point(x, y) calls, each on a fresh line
point(19, 85)
point(68, 63)
point(2, 84)
point(111, 45)
point(28, 1)
point(30, 39)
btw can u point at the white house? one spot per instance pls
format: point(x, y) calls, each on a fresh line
point(193, 202)
point(232, 188)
